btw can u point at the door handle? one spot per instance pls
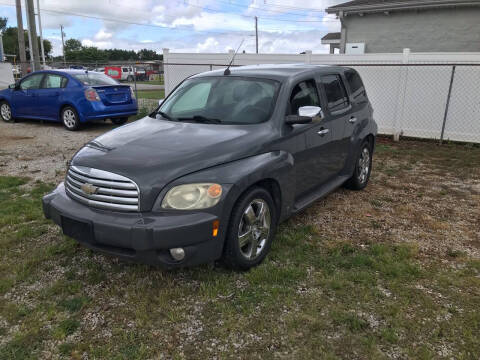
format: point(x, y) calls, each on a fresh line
point(323, 132)
point(352, 120)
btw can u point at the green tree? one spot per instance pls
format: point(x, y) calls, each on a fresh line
point(10, 42)
point(147, 54)
point(73, 45)
point(3, 24)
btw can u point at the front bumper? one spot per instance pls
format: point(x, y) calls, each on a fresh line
point(139, 237)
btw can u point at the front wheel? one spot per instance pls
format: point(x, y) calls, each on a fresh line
point(119, 121)
point(6, 111)
point(251, 230)
point(70, 118)
point(363, 167)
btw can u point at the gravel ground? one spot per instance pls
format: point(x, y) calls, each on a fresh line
point(39, 151)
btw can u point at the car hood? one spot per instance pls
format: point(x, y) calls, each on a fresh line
point(154, 152)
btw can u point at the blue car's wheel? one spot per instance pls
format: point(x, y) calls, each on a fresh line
point(6, 111)
point(70, 118)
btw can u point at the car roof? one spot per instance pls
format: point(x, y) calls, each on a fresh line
point(275, 71)
point(63, 71)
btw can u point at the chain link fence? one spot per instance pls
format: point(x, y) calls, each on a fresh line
point(434, 101)
point(437, 100)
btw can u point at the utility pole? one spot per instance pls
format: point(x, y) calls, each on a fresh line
point(41, 36)
point(32, 67)
point(32, 27)
point(256, 34)
point(21, 38)
point(63, 46)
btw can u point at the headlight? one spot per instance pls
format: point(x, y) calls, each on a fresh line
point(192, 196)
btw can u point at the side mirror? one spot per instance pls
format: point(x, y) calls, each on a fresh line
point(310, 111)
point(160, 102)
point(13, 86)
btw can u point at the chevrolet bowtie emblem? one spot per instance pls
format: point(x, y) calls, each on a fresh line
point(89, 189)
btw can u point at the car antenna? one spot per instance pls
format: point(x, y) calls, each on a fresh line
point(227, 70)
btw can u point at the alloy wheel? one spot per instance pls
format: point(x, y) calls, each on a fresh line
point(69, 118)
point(254, 229)
point(364, 165)
point(6, 112)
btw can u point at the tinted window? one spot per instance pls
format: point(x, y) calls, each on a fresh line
point(32, 82)
point(335, 91)
point(355, 83)
point(195, 98)
point(125, 70)
point(92, 78)
point(303, 94)
point(228, 99)
point(54, 81)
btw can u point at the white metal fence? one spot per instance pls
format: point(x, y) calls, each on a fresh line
point(426, 95)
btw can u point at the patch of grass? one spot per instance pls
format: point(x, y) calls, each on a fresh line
point(73, 304)
point(65, 328)
point(151, 94)
point(336, 283)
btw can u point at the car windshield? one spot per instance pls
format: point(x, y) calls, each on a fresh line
point(221, 100)
point(92, 78)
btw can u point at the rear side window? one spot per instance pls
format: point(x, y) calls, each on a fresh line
point(335, 91)
point(355, 83)
point(303, 94)
point(54, 81)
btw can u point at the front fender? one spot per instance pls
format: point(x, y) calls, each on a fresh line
point(243, 173)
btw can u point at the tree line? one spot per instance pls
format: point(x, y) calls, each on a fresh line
point(10, 41)
point(74, 50)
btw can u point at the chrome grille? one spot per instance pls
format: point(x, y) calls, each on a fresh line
point(102, 189)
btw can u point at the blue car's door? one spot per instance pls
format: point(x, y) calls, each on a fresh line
point(49, 95)
point(25, 100)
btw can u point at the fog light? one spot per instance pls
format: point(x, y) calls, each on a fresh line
point(177, 253)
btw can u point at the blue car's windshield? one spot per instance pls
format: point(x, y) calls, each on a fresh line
point(95, 79)
point(222, 100)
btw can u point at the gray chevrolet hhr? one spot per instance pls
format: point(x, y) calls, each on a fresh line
point(225, 157)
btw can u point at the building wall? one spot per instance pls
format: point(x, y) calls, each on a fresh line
point(441, 30)
point(6, 75)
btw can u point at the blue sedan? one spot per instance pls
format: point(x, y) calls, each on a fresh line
point(70, 96)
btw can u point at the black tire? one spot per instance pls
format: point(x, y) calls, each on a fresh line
point(360, 176)
point(70, 119)
point(6, 112)
point(129, 78)
point(119, 121)
point(240, 257)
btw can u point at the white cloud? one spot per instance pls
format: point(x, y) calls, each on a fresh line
point(102, 35)
point(204, 30)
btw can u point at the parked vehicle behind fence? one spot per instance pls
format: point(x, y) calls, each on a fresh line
point(70, 96)
point(218, 165)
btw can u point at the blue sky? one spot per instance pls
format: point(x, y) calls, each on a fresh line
point(285, 26)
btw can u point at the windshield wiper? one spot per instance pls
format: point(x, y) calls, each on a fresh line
point(201, 119)
point(166, 116)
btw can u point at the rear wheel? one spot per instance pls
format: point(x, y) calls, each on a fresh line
point(6, 111)
point(119, 121)
point(251, 230)
point(70, 118)
point(129, 78)
point(363, 167)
